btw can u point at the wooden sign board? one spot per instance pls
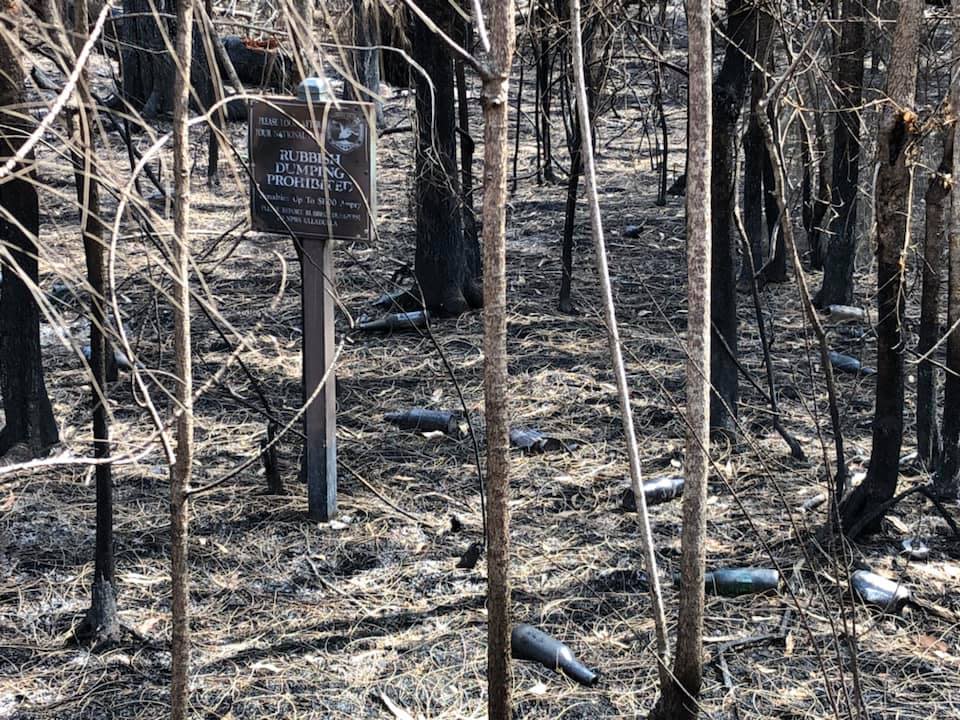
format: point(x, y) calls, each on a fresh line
point(313, 168)
point(313, 178)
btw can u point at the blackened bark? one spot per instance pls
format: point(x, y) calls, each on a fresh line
point(146, 66)
point(467, 146)
point(775, 269)
point(816, 201)
point(814, 205)
point(259, 64)
point(837, 285)
point(658, 104)
point(574, 146)
point(729, 89)
point(898, 128)
point(938, 190)
point(755, 185)
point(806, 194)
point(569, 220)
point(366, 58)
point(754, 152)
point(446, 264)
point(102, 624)
point(29, 416)
point(542, 22)
point(947, 478)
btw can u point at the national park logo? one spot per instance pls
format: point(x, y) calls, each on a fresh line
point(346, 132)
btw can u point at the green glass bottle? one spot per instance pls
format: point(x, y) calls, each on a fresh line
point(732, 582)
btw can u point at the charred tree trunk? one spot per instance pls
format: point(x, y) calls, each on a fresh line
point(569, 221)
point(898, 127)
point(658, 104)
point(101, 625)
point(447, 265)
point(815, 205)
point(754, 152)
point(837, 285)
point(729, 89)
point(938, 190)
point(467, 147)
point(575, 147)
point(542, 18)
point(366, 58)
point(775, 269)
point(146, 67)
point(755, 159)
point(29, 416)
point(947, 477)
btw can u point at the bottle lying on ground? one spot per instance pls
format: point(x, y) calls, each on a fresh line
point(424, 420)
point(877, 590)
point(851, 365)
point(396, 321)
point(528, 643)
point(656, 492)
point(842, 313)
point(732, 582)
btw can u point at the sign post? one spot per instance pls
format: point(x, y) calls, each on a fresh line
point(313, 179)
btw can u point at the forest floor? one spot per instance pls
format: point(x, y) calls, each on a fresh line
point(299, 619)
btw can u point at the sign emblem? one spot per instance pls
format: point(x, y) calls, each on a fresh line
point(346, 132)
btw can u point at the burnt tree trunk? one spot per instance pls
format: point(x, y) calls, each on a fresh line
point(101, 624)
point(755, 158)
point(542, 20)
point(259, 63)
point(569, 220)
point(658, 105)
point(575, 147)
point(815, 205)
point(775, 269)
point(754, 152)
point(729, 89)
point(29, 416)
point(366, 56)
point(898, 127)
point(146, 67)
point(947, 478)
point(467, 146)
point(938, 190)
point(837, 284)
point(447, 265)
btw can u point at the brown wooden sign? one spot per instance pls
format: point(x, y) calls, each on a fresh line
point(313, 168)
